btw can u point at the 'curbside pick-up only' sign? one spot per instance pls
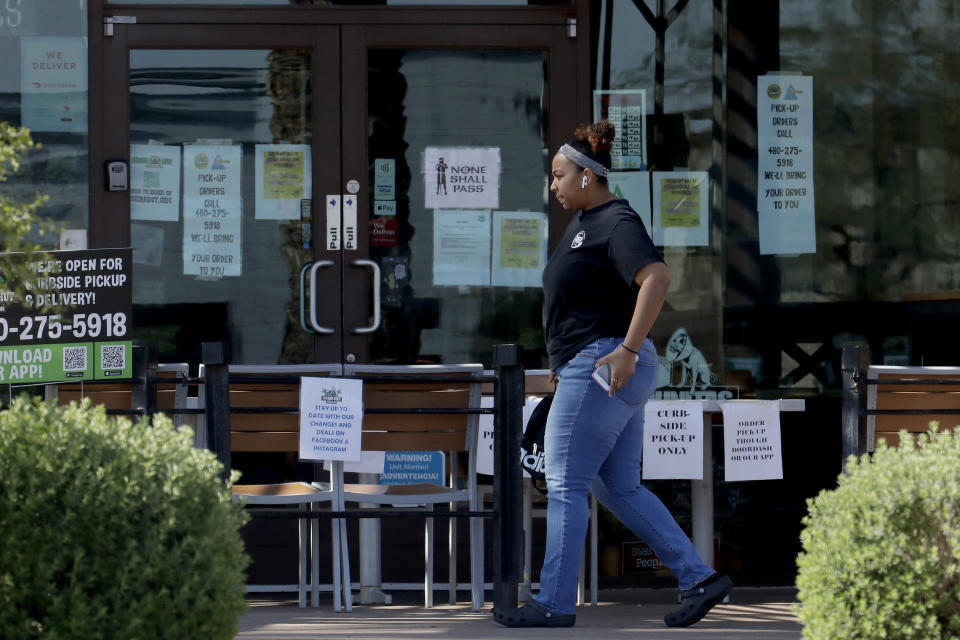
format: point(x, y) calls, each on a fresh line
point(86, 337)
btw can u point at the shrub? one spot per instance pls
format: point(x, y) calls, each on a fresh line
point(113, 530)
point(881, 552)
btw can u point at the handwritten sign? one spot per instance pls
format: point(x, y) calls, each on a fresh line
point(331, 414)
point(673, 440)
point(751, 440)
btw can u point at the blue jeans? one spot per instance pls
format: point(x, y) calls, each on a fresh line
point(595, 443)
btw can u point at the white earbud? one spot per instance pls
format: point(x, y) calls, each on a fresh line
point(583, 183)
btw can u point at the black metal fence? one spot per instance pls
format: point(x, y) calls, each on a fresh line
point(508, 384)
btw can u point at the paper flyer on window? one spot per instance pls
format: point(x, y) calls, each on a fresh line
point(212, 211)
point(461, 247)
point(785, 194)
point(155, 182)
point(519, 248)
point(283, 178)
point(53, 83)
point(680, 208)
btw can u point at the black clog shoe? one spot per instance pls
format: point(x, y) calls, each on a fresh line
point(533, 614)
point(696, 602)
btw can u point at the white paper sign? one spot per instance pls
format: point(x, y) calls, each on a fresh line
point(53, 83)
point(461, 247)
point(634, 186)
point(212, 210)
point(751, 440)
point(283, 179)
point(520, 241)
point(673, 440)
point(461, 178)
point(680, 209)
point(155, 182)
point(485, 442)
point(331, 418)
point(785, 202)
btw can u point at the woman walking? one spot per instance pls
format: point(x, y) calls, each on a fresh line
point(603, 289)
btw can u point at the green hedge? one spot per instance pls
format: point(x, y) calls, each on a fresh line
point(113, 530)
point(881, 552)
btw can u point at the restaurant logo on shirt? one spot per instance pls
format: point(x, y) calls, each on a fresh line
point(578, 240)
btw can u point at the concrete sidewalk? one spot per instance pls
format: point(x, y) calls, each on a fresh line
point(636, 613)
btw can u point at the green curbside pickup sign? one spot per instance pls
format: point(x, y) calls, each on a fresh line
point(88, 337)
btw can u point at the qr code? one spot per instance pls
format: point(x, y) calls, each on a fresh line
point(74, 358)
point(112, 356)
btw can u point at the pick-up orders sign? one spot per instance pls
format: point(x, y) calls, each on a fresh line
point(86, 337)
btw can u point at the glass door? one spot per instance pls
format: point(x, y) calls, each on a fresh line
point(230, 139)
point(454, 218)
point(340, 192)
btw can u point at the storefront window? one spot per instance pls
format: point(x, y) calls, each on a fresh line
point(44, 88)
point(870, 255)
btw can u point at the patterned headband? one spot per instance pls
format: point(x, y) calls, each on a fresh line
point(579, 159)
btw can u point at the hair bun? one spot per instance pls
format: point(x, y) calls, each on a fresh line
point(599, 135)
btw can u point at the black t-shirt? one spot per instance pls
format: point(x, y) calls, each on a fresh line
point(588, 287)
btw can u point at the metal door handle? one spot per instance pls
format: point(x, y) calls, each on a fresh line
point(313, 296)
point(303, 298)
point(375, 271)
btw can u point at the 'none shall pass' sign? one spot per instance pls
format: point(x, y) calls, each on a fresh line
point(461, 177)
point(331, 417)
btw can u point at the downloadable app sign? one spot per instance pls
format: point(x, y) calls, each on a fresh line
point(73, 322)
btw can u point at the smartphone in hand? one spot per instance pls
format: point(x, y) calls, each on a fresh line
point(601, 376)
